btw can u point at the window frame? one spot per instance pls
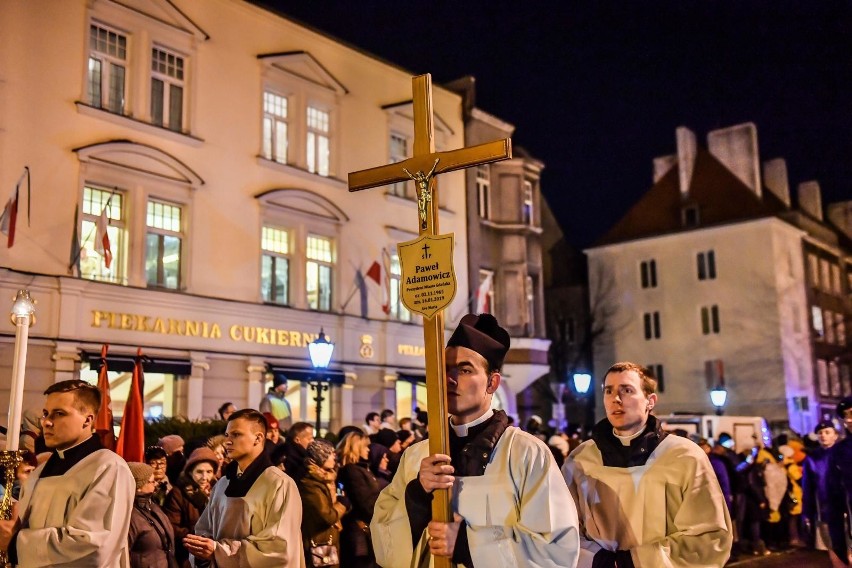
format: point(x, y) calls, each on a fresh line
point(706, 261)
point(162, 233)
point(652, 327)
point(119, 247)
point(400, 188)
point(276, 256)
point(648, 273)
point(275, 120)
point(320, 264)
point(106, 61)
point(482, 176)
point(398, 311)
point(168, 82)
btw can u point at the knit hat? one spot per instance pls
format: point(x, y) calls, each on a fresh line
point(319, 450)
point(171, 443)
point(482, 333)
point(386, 437)
point(823, 425)
point(141, 472)
point(199, 455)
point(278, 379)
point(271, 421)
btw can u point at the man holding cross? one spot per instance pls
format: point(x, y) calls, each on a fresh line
point(511, 506)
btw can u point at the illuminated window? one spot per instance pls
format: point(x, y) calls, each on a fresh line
point(397, 310)
point(167, 89)
point(107, 68)
point(817, 323)
point(92, 264)
point(398, 153)
point(275, 266)
point(318, 144)
point(275, 127)
point(163, 245)
point(319, 270)
point(410, 395)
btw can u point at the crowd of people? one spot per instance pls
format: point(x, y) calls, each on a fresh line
point(267, 492)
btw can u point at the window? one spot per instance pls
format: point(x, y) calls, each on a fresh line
point(710, 319)
point(274, 127)
point(840, 329)
point(398, 153)
point(320, 255)
point(835, 279)
point(834, 379)
point(528, 218)
point(167, 89)
point(92, 264)
point(318, 146)
point(483, 191)
point(656, 372)
point(828, 322)
point(845, 380)
point(813, 268)
point(816, 323)
point(825, 274)
point(648, 271)
point(529, 288)
point(689, 216)
point(707, 265)
point(822, 377)
point(397, 310)
point(275, 266)
point(107, 68)
point(485, 292)
point(163, 245)
point(652, 325)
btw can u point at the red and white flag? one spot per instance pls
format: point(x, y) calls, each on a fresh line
point(379, 274)
point(483, 295)
point(102, 246)
point(9, 217)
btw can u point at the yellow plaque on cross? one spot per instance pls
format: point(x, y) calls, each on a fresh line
point(428, 282)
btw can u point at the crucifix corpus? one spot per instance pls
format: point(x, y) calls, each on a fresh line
point(428, 282)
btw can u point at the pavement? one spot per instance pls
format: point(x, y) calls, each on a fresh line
point(794, 558)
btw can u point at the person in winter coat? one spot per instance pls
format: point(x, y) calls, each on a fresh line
point(322, 511)
point(150, 539)
point(155, 456)
point(816, 501)
point(187, 500)
point(362, 489)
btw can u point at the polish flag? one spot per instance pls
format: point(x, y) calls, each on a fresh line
point(9, 217)
point(378, 274)
point(102, 245)
point(483, 295)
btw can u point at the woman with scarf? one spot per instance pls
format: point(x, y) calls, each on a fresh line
point(189, 497)
point(322, 507)
point(150, 538)
point(362, 488)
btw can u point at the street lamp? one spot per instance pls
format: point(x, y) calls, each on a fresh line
point(320, 350)
point(719, 396)
point(582, 384)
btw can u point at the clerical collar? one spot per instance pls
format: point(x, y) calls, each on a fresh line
point(461, 430)
point(625, 440)
point(62, 452)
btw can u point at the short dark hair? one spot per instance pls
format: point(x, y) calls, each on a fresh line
point(250, 415)
point(154, 453)
point(385, 413)
point(649, 384)
point(297, 428)
point(371, 416)
point(86, 395)
point(223, 408)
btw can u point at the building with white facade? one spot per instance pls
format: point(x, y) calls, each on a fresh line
point(216, 136)
point(714, 279)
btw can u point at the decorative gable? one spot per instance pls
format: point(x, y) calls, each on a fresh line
point(161, 11)
point(302, 65)
point(139, 158)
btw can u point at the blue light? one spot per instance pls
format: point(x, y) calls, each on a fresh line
point(582, 382)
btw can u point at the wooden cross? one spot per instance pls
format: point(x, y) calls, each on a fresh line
point(426, 159)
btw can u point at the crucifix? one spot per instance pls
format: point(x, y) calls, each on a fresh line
point(426, 164)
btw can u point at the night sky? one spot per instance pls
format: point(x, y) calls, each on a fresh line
point(596, 89)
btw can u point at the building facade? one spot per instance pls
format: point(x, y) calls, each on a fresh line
point(504, 235)
point(213, 140)
point(714, 279)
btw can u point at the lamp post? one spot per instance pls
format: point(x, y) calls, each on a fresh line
point(582, 383)
point(320, 350)
point(719, 396)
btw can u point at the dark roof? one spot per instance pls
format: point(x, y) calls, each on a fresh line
point(720, 197)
